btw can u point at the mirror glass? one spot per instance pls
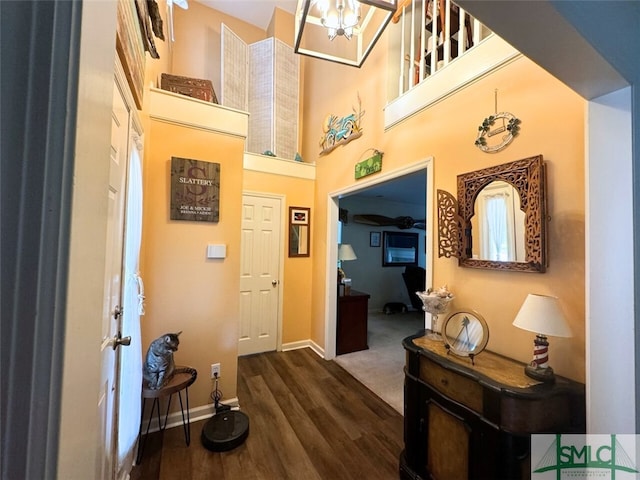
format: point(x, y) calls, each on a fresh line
point(465, 333)
point(298, 241)
point(498, 225)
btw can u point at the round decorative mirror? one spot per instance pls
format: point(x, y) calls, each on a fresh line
point(465, 333)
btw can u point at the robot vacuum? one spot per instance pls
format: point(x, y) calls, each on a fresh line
point(225, 431)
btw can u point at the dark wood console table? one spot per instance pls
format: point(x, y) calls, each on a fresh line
point(351, 329)
point(467, 421)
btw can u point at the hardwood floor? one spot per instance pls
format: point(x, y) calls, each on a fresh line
point(309, 419)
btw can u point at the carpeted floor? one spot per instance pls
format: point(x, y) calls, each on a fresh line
point(381, 366)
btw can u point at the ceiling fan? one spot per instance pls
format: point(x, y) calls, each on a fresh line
point(403, 223)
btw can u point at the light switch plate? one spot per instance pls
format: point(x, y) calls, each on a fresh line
point(216, 251)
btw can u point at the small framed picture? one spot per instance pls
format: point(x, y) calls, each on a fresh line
point(374, 239)
point(299, 216)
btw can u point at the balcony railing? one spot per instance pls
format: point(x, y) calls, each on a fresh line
point(428, 35)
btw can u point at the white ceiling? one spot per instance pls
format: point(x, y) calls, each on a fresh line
point(255, 12)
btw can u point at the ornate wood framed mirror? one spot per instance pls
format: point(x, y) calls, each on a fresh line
point(499, 219)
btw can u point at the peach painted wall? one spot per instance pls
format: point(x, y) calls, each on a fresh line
point(185, 290)
point(552, 125)
point(196, 51)
point(281, 26)
point(296, 313)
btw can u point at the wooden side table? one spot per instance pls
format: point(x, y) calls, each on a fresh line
point(181, 380)
point(473, 421)
point(351, 330)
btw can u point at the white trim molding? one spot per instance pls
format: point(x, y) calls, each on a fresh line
point(286, 347)
point(181, 110)
point(330, 302)
point(318, 349)
point(490, 54)
point(279, 166)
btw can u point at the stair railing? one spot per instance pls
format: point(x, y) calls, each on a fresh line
point(446, 33)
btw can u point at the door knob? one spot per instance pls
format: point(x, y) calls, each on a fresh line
point(274, 282)
point(120, 340)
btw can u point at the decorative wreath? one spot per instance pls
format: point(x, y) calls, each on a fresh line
point(512, 128)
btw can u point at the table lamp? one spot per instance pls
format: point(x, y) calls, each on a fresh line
point(345, 253)
point(541, 314)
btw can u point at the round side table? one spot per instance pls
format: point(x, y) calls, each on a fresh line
point(182, 379)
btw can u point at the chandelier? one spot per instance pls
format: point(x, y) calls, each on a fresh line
point(339, 17)
point(361, 22)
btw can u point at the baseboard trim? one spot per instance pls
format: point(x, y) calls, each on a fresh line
point(316, 348)
point(295, 345)
point(304, 344)
point(195, 414)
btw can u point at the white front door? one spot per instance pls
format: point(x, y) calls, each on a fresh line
point(259, 274)
point(112, 310)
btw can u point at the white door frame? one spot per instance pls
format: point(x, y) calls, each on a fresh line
point(330, 301)
point(135, 126)
point(283, 246)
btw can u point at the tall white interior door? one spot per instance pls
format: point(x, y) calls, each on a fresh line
point(260, 274)
point(112, 306)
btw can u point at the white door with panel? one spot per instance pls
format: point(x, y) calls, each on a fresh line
point(259, 274)
point(112, 306)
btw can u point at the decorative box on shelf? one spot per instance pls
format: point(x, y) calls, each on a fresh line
point(191, 87)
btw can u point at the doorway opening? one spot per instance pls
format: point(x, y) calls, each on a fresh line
point(400, 201)
point(333, 207)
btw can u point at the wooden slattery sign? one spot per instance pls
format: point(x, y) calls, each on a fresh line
point(195, 190)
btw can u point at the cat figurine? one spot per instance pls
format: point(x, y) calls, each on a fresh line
point(159, 366)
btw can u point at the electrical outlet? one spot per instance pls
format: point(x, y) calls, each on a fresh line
point(215, 370)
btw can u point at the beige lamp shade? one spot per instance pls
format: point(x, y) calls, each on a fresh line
point(345, 252)
point(541, 314)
